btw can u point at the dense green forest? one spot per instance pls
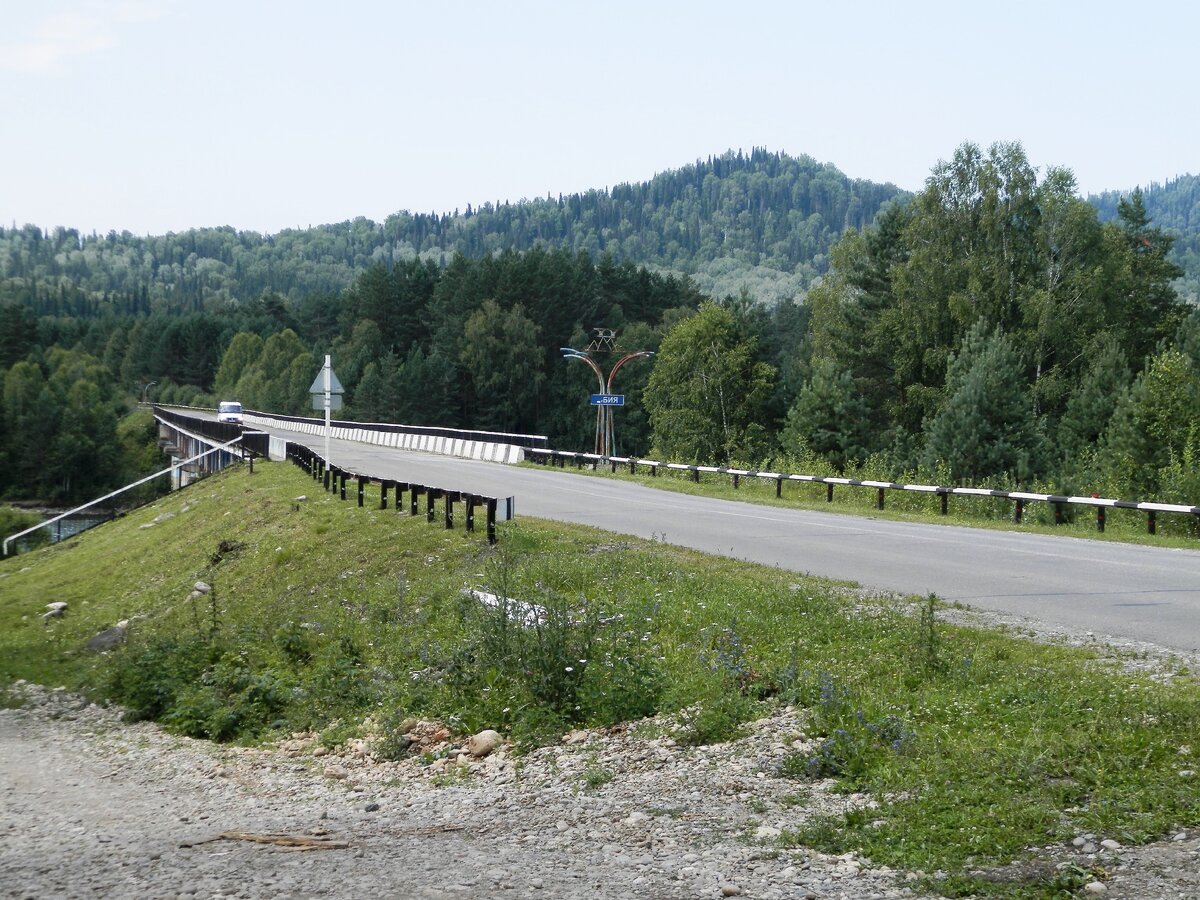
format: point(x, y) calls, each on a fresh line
point(1175, 208)
point(765, 221)
point(994, 328)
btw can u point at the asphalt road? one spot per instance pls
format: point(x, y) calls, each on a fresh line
point(1119, 590)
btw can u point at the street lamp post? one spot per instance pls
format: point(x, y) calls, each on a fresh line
point(606, 439)
point(146, 389)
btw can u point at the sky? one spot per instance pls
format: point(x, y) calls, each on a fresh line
point(162, 115)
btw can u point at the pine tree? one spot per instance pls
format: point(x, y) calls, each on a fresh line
point(987, 426)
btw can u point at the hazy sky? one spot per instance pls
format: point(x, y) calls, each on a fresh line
point(269, 114)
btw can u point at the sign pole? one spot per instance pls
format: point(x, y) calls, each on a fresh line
point(328, 392)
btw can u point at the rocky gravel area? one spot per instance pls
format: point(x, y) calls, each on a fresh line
point(91, 807)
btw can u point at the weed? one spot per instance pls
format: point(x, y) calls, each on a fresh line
point(595, 776)
point(337, 733)
point(854, 738)
point(715, 719)
point(927, 635)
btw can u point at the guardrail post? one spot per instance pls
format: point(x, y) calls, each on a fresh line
point(342, 484)
point(654, 471)
point(326, 476)
point(383, 489)
point(1019, 511)
point(829, 493)
point(1100, 517)
point(401, 487)
point(612, 463)
point(735, 480)
point(416, 502)
point(779, 488)
point(695, 474)
point(945, 506)
point(1152, 522)
point(1058, 512)
point(491, 520)
point(430, 496)
point(470, 500)
point(361, 485)
point(632, 467)
point(449, 495)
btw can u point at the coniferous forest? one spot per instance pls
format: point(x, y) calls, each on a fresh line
point(994, 328)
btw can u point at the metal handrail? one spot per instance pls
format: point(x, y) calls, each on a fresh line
point(170, 468)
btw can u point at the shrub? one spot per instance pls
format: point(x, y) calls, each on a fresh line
point(148, 678)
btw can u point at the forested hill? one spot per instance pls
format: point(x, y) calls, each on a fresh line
point(1175, 208)
point(764, 221)
point(761, 221)
point(730, 220)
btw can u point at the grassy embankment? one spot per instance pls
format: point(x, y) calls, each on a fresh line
point(979, 745)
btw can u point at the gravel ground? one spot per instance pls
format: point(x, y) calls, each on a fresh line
point(91, 807)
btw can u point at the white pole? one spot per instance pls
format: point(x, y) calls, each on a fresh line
point(327, 371)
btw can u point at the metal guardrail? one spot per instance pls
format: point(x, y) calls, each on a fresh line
point(333, 479)
point(1019, 498)
point(256, 442)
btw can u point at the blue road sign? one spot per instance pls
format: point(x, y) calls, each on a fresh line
point(608, 399)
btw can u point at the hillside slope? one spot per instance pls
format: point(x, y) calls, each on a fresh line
point(765, 221)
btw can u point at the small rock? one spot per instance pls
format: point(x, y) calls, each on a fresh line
point(766, 831)
point(730, 890)
point(370, 807)
point(1110, 844)
point(334, 771)
point(109, 638)
point(202, 586)
point(1095, 888)
point(482, 744)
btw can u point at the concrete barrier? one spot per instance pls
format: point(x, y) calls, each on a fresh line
point(489, 451)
